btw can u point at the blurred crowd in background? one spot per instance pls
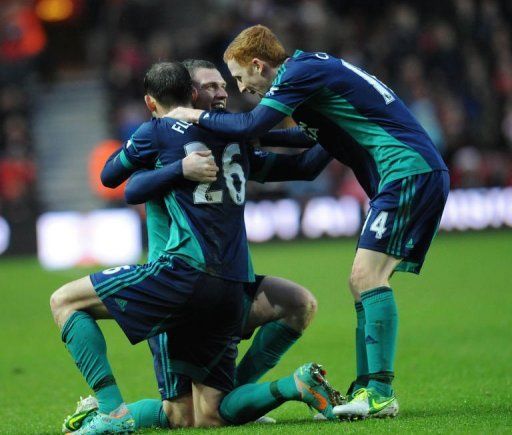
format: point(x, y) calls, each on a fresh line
point(451, 62)
point(22, 40)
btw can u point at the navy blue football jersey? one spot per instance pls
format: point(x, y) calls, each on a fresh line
point(207, 228)
point(358, 119)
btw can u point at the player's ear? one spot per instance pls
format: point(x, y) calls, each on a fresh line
point(258, 65)
point(150, 103)
point(195, 94)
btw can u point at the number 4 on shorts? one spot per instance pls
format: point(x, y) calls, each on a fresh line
point(378, 226)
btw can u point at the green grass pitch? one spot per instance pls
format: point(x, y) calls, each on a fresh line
point(454, 356)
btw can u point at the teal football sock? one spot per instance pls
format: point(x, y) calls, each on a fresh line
point(148, 413)
point(268, 346)
point(251, 401)
point(381, 331)
point(361, 357)
point(86, 344)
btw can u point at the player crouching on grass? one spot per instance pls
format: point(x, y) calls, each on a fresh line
point(280, 308)
point(186, 291)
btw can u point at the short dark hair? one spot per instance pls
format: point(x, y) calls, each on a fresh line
point(193, 64)
point(169, 83)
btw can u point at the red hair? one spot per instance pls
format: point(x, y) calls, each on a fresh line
point(256, 41)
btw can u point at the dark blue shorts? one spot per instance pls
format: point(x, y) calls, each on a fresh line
point(404, 217)
point(202, 314)
point(171, 384)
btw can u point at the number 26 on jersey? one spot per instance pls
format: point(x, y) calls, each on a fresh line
point(233, 174)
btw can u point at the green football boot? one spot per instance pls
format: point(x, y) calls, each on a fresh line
point(84, 408)
point(388, 411)
point(366, 402)
point(119, 421)
point(315, 391)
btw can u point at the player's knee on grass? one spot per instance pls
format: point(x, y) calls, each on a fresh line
point(206, 406)
point(209, 419)
point(180, 411)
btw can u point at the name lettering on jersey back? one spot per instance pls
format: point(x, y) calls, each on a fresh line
point(311, 132)
point(181, 126)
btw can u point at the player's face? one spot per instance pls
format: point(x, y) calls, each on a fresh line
point(211, 89)
point(250, 78)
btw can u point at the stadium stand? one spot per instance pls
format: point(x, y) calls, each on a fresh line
point(450, 61)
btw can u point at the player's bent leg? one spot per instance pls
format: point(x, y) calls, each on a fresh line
point(163, 414)
point(307, 384)
point(282, 309)
point(74, 296)
point(175, 389)
point(281, 299)
point(75, 306)
point(148, 413)
point(175, 410)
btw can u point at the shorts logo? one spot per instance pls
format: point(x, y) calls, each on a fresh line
point(370, 340)
point(122, 303)
point(410, 244)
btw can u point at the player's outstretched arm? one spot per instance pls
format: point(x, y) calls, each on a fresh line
point(237, 125)
point(149, 184)
point(305, 166)
point(286, 137)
